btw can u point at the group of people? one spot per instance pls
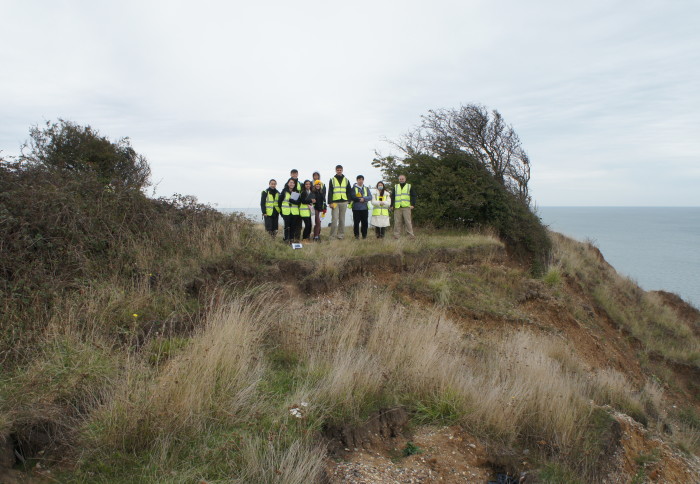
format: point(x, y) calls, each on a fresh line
point(300, 203)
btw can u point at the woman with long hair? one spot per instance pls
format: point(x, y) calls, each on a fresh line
point(319, 191)
point(289, 201)
point(308, 199)
point(380, 210)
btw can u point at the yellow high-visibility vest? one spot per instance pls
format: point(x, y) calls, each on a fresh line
point(361, 193)
point(288, 208)
point(402, 196)
point(340, 189)
point(377, 210)
point(271, 203)
point(304, 210)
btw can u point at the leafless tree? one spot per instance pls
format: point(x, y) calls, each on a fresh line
point(481, 133)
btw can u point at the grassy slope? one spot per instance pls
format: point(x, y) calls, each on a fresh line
point(239, 374)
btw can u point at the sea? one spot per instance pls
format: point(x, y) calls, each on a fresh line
point(657, 247)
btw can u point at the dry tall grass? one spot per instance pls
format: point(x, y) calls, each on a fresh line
point(369, 351)
point(215, 378)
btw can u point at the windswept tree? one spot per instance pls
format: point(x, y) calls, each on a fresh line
point(474, 130)
point(81, 150)
point(469, 170)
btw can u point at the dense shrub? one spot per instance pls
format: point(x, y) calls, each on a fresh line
point(61, 228)
point(67, 146)
point(457, 191)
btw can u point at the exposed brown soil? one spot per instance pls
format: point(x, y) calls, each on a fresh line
point(643, 457)
point(452, 455)
point(442, 454)
point(304, 273)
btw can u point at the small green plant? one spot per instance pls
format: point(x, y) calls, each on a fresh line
point(411, 449)
point(161, 350)
point(688, 416)
point(553, 277)
point(556, 473)
point(443, 408)
point(643, 461)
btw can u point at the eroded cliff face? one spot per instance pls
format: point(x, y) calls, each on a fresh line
point(595, 339)
point(444, 364)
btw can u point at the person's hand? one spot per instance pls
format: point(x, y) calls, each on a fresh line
point(411, 207)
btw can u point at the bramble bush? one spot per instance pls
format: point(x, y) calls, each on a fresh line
point(72, 212)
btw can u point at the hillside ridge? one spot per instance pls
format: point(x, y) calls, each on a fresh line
point(489, 371)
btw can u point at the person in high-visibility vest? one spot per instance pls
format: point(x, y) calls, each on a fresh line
point(308, 199)
point(404, 202)
point(361, 196)
point(289, 201)
point(294, 175)
point(319, 191)
point(380, 211)
point(268, 204)
point(339, 193)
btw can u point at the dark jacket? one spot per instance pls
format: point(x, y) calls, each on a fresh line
point(411, 194)
point(356, 203)
point(330, 189)
point(323, 189)
point(263, 201)
point(320, 199)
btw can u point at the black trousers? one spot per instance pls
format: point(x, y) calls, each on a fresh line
point(272, 223)
point(291, 224)
point(359, 219)
point(307, 227)
point(380, 232)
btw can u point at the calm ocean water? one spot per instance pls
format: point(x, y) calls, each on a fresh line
point(658, 247)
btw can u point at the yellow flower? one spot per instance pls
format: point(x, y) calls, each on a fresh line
point(135, 315)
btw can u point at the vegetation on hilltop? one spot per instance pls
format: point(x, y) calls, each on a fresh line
point(74, 227)
point(471, 170)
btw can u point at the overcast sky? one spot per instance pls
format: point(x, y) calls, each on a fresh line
point(222, 96)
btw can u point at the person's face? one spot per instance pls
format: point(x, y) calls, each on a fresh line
point(402, 179)
point(317, 176)
point(291, 184)
point(307, 185)
point(360, 182)
point(338, 171)
point(380, 187)
point(273, 184)
point(294, 174)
